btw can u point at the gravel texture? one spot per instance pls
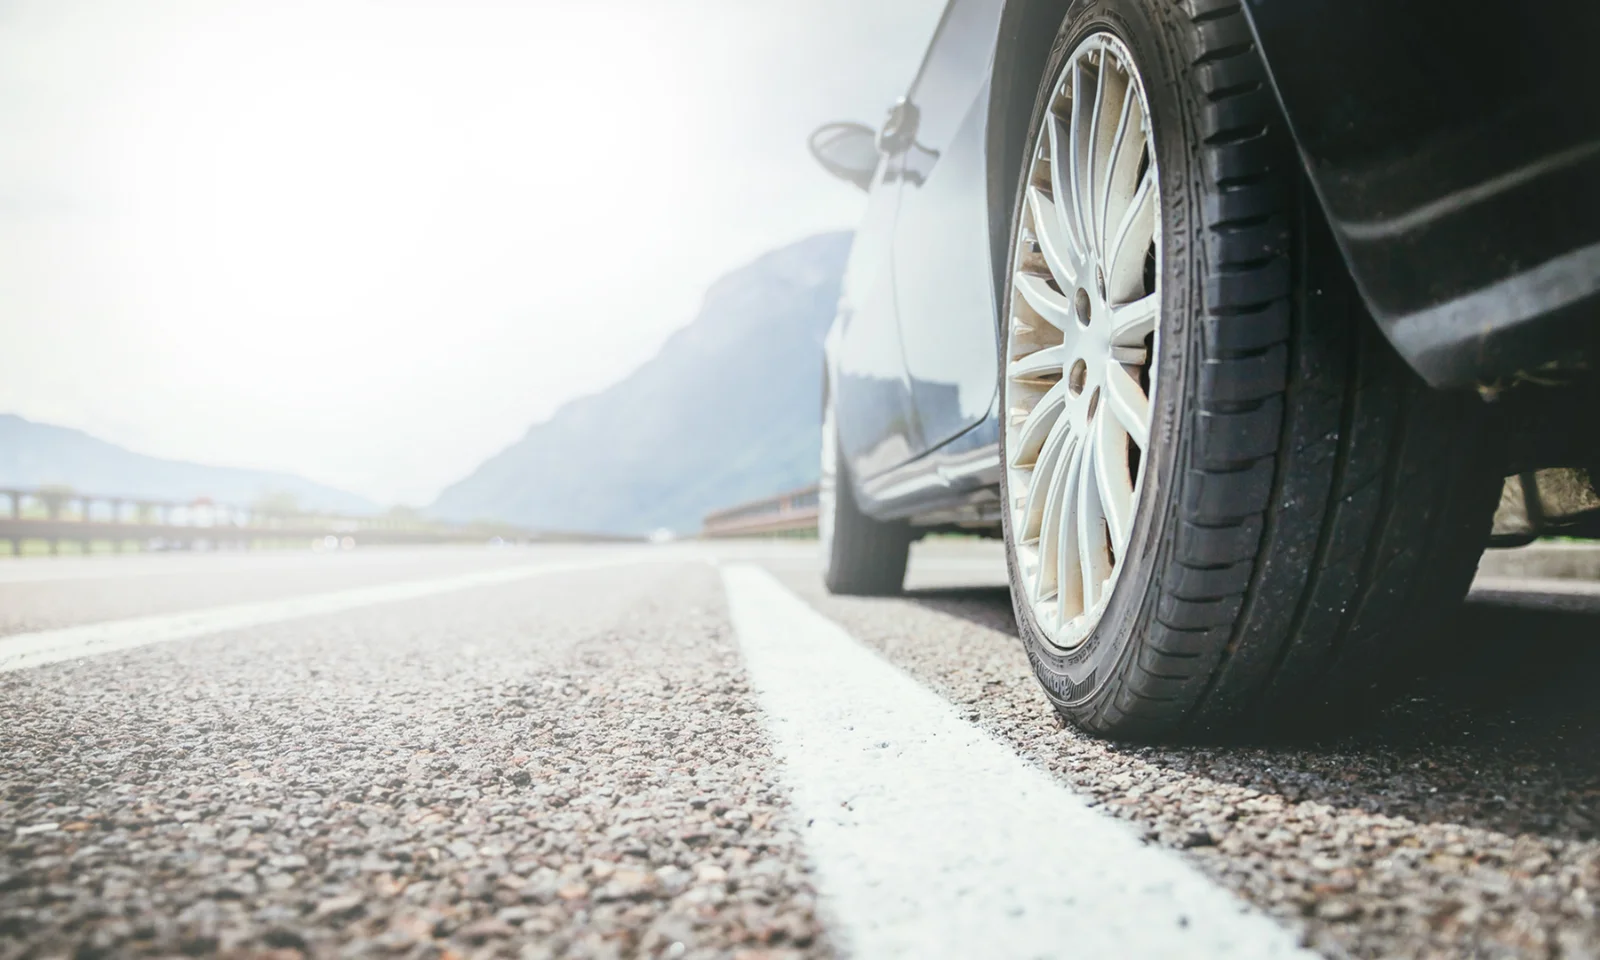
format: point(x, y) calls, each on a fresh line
point(572, 765)
point(1465, 826)
point(566, 766)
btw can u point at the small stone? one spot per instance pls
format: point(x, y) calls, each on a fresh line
point(514, 916)
point(37, 828)
point(628, 885)
point(491, 928)
point(1336, 910)
point(1197, 838)
point(673, 880)
point(339, 906)
point(240, 885)
point(284, 938)
point(373, 864)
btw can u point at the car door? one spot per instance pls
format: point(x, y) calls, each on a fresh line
point(871, 392)
point(944, 282)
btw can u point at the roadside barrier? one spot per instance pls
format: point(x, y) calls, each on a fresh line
point(48, 518)
point(794, 512)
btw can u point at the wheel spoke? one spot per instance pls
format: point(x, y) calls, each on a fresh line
point(1085, 187)
point(1042, 477)
point(828, 481)
point(1114, 159)
point(1124, 261)
point(1122, 176)
point(1031, 367)
point(1112, 478)
point(1075, 161)
point(1132, 322)
point(1093, 564)
point(1063, 550)
point(1036, 426)
point(1052, 307)
point(1128, 403)
point(1045, 581)
point(1060, 190)
point(1055, 240)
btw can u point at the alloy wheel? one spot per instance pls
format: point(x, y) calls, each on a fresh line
point(828, 481)
point(1081, 339)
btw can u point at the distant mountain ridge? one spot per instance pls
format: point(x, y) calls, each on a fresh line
point(39, 454)
point(728, 410)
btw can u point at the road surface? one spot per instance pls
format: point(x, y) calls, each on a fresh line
point(693, 751)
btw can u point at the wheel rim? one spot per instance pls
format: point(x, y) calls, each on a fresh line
point(1081, 339)
point(827, 484)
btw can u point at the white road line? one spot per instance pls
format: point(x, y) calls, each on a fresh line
point(23, 650)
point(932, 839)
point(122, 566)
point(1534, 593)
point(26, 570)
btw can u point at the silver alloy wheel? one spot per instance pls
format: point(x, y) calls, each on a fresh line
point(828, 482)
point(1081, 339)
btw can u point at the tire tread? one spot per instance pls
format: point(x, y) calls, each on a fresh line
point(1329, 505)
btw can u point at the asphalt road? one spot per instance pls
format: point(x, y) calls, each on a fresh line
point(693, 751)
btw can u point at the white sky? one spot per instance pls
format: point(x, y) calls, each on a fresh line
point(371, 242)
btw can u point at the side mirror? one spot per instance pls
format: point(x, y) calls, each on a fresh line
point(849, 151)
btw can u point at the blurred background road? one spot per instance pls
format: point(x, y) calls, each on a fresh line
point(570, 750)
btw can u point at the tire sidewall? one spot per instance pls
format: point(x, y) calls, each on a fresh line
point(1080, 681)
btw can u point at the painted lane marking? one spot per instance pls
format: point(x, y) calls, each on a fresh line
point(933, 839)
point(1532, 593)
point(20, 651)
point(27, 570)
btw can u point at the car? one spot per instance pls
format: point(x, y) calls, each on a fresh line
point(1233, 320)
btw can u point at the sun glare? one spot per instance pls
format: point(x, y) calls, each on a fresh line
point(311, 193)
point(373, 242)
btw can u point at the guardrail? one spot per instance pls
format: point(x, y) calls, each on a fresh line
point(794, 512)
point(54, 517)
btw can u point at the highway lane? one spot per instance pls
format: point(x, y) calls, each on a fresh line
point(594, 762)
point(51, 592)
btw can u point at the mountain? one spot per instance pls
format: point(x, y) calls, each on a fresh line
point(38, 454)
point(729, 410)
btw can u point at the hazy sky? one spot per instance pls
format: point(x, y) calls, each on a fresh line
point(371, 242)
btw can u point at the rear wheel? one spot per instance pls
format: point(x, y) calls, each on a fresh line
point(860, 555)
point(1226, 498)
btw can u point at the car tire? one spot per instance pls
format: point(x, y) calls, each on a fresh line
point(1308, 508)
point(860, 555)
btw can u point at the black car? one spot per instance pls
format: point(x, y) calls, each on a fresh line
point(1233, 321)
